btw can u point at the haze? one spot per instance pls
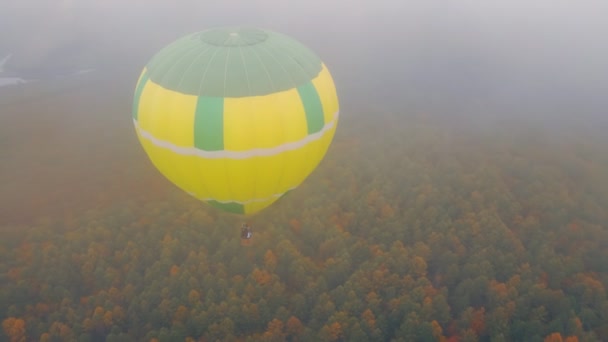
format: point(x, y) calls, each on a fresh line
point(493, 58)
point(464, 196)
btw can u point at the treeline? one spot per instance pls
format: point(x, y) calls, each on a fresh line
point(409, 231)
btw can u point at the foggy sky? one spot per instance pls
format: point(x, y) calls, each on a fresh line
point(511, 55)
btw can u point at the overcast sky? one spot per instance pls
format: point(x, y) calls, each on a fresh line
point(545, 53)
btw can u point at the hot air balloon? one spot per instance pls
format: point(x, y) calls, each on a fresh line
point(236, 117)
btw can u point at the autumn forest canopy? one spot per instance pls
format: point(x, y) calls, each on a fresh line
point(415, 227)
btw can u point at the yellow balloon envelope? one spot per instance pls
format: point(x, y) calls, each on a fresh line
point(236, 117)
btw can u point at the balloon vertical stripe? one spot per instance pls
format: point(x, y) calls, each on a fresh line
point(312, 107)
point(209, 124)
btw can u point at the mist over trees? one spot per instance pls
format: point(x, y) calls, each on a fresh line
point(434, 232)
point(464, 197)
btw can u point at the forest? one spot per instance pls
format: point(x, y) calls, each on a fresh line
point(413, 228)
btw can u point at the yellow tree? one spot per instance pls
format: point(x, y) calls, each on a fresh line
point(274, 332)
point(270, 260)
point(554, 337)
point(294, 326)
point(14, 328)
point(369, 318)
